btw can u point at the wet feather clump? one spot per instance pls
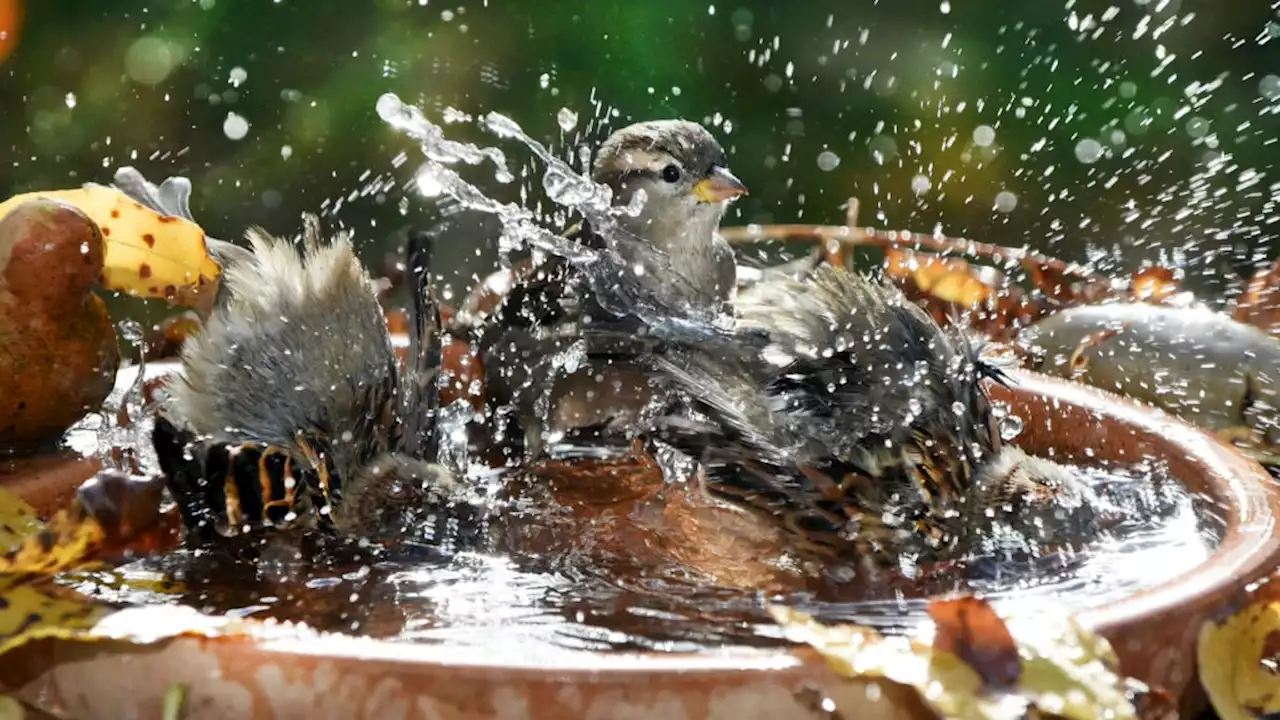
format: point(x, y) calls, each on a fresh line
point(292, 408)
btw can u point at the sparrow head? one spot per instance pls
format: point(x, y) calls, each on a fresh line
point(682, 170)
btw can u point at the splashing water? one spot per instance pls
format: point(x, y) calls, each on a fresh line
point(616, 285)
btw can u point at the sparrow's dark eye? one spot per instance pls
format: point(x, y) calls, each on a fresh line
point(671, 173)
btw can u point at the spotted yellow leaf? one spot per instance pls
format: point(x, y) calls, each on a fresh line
point(146, 254)
point(1064, 670)
point(69, 539)
point(42, 610)
point(18, 521)
point(1237, 657)
point(34, 604)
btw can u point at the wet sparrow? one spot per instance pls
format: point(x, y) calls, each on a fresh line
point(540, 371)
point(293, 409)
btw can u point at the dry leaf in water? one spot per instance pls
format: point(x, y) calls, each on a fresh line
point(1153, 285)
point(105, 515)
point(1259, 304)
point(147, 254)
point(1060, 289)
point(970, 629)
point(997, 307)
point(1064, 670)
point(169, 335)
point(111, 511)
point(951, 280)
point(1239, 659)
point(41, 610)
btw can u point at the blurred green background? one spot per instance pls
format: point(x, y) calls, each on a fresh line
point(1118, 133)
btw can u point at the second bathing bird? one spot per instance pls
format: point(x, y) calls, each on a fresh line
point(847, 416)
point(537, 370)
point(293, 410)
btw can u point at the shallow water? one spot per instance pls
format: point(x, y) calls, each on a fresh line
point(588, 593)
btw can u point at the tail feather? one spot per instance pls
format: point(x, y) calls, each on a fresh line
point(422, 395)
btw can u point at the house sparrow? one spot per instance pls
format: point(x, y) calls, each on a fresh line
point(859, 426)
point(292, 408)
point(540, 374)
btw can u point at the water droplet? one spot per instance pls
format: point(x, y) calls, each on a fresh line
point(149, 60)
point(235, 126)
point(1006, 201)
point(920, 184)
point(1010, 427)
point(1088, 151)
point(131, 331)
point(1269, 87)
point(914, 406)
point(238, 76)
point(71, 100)
point(984, 135)
point(827, 160)
point(567, 119)
point(428, 183)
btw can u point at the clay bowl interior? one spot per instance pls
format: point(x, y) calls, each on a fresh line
point(336, 676)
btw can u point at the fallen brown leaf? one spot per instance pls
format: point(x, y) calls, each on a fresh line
point(1065, 671)
point(1153, 285)
point(1259, 303)
point(970, 629)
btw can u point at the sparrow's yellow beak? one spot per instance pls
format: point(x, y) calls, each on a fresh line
point(718, 185)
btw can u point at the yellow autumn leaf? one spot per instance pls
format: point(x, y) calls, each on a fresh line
point(33, 606)
point(1236, 657)
point(18, 521)
point(948, 279)
point(69, 539)
point(1065, 670)
point(34, 611)
point(146, 254)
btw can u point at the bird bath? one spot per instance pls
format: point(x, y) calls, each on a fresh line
point(337, 675)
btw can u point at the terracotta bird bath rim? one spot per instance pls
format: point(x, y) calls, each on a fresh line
point(1153, 631)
